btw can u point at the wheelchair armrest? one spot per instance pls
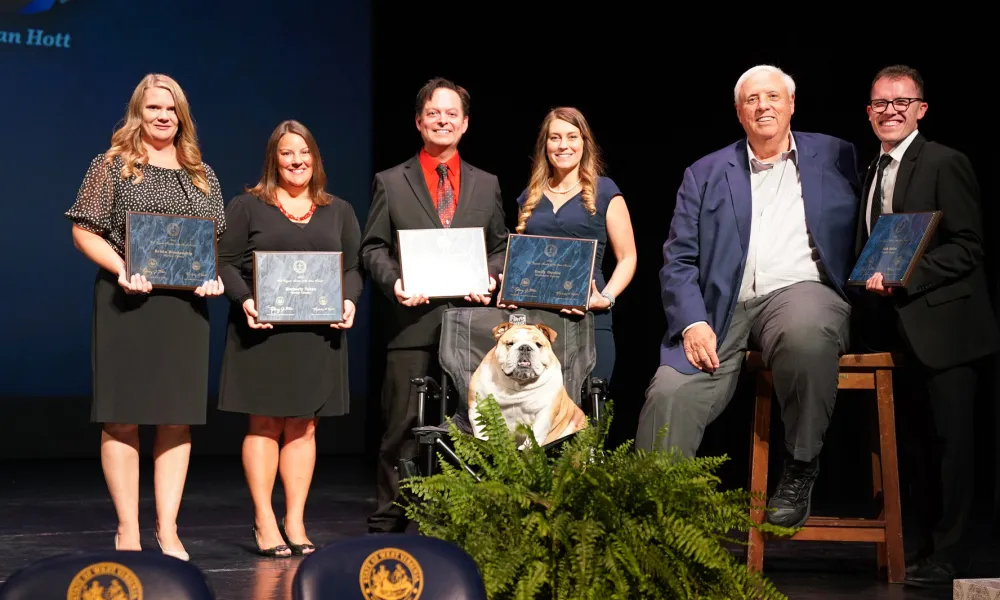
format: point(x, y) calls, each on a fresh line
point(426, 384)
point(435, 436)
point(429, 433)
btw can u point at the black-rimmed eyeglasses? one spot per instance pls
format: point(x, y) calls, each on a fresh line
point(900, 104)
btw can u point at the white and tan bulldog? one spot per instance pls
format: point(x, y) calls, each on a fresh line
point(525, 377)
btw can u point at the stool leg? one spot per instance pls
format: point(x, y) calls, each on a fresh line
point(890, 477)
point(758, 465)
point(881, 553)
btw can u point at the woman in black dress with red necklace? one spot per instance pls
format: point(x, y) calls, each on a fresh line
point(285, 376)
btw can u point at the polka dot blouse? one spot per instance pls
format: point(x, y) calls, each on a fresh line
point(105, 197)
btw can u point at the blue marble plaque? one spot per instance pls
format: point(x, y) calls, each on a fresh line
point(896, 244)
point(548, 272)
point(443, 263)
point(171, 251)
point(299, 287)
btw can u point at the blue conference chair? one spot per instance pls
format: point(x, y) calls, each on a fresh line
point(396, 566)
point(111, 574)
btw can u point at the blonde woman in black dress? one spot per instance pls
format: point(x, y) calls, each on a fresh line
point(150, 346)
point(285, 376)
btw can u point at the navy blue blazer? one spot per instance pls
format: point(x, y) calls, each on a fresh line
point(706, 250)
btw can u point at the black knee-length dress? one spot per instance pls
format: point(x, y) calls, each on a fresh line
point(290, 370)
point(149, 351)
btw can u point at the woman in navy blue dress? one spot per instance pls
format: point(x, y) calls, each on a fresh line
point(568, 196)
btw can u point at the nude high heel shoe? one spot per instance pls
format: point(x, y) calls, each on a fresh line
point(116, 545)
point(176, 554)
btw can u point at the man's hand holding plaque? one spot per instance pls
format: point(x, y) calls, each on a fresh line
point(416, 299)
point(408, 299)
point(896, 243)
point(483, 298)
point(874, 284)
point(443, 263)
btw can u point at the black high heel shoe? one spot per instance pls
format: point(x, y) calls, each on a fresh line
point(276, 552)
point(297, 549)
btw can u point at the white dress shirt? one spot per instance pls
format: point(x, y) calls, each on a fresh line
point(888, 178)
point(781, 251)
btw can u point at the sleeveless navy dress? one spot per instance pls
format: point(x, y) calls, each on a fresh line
point(573, 220)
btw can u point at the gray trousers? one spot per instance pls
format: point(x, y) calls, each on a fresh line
point(801, 331)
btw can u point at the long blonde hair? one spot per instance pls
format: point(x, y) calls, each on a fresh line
point(591, 166)
point(127, 139)
point(267, 187)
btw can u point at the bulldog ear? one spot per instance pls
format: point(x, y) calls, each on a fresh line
point(500, 329)
point(548, 331)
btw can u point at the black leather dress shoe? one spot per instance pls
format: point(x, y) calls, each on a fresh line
point(918, 559)
point(913, 566)
point(930, 574)
point(388, 527)
point(792, 500)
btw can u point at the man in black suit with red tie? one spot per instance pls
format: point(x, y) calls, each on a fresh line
point(941, 321)
point(434, 189)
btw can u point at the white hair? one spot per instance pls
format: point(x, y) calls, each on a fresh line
point(789, 82)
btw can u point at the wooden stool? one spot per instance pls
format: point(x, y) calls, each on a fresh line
point(857, 372)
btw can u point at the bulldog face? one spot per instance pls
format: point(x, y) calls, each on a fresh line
point(524, 351)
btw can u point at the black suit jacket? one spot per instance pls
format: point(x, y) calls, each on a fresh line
point(944, 311)
point(401, 200)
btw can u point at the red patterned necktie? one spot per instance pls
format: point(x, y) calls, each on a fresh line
point(445, 196)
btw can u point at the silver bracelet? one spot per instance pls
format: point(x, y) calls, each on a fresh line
point(610, 298)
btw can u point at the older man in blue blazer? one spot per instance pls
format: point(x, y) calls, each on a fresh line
point(759, 248)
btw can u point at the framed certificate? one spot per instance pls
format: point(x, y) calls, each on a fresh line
point(443, 263)
point(896, 244)
point(298, 287)
point(171, 251)
point(548, 272)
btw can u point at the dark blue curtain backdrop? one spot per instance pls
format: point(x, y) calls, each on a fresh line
point(67, 70)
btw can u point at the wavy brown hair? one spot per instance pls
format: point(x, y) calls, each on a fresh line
point(266, 189)
point(126, 142)
point(591, 166)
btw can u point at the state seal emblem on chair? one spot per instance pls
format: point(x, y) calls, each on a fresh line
point(391, 574)
point(105, 581)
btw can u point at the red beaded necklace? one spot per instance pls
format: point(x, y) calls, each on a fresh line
point(304, 217)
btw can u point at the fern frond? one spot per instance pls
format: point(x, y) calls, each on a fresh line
point(584, 523)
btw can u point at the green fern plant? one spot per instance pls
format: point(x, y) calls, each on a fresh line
point(583, 523)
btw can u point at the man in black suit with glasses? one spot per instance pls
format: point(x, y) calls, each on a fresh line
point(941, 321)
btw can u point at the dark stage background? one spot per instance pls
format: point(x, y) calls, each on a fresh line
point(655, 102)
point(66, 75)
